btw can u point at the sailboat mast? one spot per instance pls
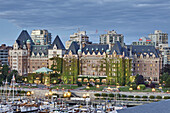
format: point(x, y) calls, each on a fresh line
point(13, 80)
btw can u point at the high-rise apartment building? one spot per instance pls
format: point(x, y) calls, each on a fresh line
point(78, 37)
point(144, 41)
point(166, 54)
point(4, 53)
point(111, 37)
point(42, 36)
point(159, 38)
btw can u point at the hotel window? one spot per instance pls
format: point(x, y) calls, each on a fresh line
point(155, 79)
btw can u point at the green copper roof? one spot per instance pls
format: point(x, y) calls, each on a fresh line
point(43, 70)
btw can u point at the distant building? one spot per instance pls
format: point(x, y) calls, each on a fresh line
point(78, 37)
point(166, 54)
point(42, 36)
point(144, 41)
point(4, 53)
point(159, 38)
point(111, 37)
point(146, 61)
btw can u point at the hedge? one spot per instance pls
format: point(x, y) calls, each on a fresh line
point(111, 95)
point(166, 97)
point(144, 96)
point(137, 97)
point(104, 94)
point(152, 97)
point(123, 95)
point(97, 94)
point(159, 97)
point(130, 96)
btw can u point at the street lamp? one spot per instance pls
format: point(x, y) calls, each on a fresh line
point(97, 86)
point(160, 87)
point(87, 87)
point(50, 93)
point(55, 81)
point(130, 89)
point(28, 93)
point(67, 94)
point(46, 94)
point(84, 95)
point(138, 88)
point(117, 86)
point(32, 92)
point(153, 89)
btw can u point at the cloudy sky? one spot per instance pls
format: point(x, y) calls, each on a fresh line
point(132, 18)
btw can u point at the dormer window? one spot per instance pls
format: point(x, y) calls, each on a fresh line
point(87, 49)
point(97, 49)
point(102, 49)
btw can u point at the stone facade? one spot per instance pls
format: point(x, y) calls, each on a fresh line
point(27, 56)
point(146, 61)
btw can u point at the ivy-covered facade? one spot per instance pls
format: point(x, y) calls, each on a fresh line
point(97, 63)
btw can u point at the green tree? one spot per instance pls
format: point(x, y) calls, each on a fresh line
point(139, 79)
point(164, 77)
point(166, 69)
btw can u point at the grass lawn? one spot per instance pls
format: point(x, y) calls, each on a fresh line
point(65, 86)
point(166, 89)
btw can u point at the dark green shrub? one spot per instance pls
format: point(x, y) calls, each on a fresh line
point(144, 96)
point(137, 97)
point(111, 95)
point(56, 94)
point(152, 97)
point(79, 84)
point(159, 97)
point(130, 99)
point(130, 96)
point(104, 94)
point(166, 97)
point(97, 94)
point(123, 95)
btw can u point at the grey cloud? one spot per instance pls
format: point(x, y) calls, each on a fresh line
point(66, 16)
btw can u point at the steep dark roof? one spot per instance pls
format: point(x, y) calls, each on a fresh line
point(58, 43)
point(118, 48)
point(23, 37)
point(74, 47)
point(155, 107)
point(141, 49)
point(40, 49)
point(95, 48)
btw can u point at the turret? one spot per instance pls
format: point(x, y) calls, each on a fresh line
point(29, 47)
point(79, 52)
